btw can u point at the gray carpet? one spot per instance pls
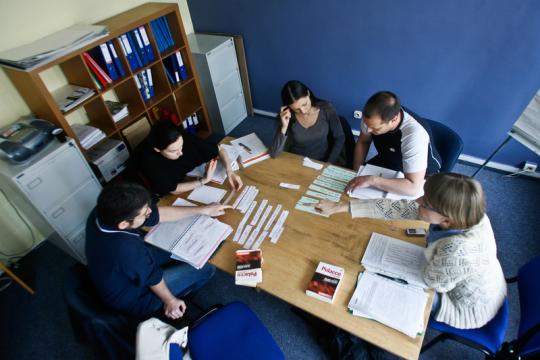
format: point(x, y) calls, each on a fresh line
point(37, 326)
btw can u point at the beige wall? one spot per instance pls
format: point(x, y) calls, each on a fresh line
point(26, 21)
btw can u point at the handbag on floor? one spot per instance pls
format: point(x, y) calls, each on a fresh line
point(157, 340)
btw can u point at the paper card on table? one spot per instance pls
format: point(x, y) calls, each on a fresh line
point(182, 202)
point(207, 194)
point(325, 191)
point(273, 217)
point(312, 164)
point(307, 204)
point(289, 186)
point(319, 195)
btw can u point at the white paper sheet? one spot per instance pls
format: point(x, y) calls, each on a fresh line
point(207, 194)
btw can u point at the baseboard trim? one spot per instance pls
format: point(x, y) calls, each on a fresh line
point(463, 157)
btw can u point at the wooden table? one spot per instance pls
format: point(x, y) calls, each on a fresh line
point(306, 240)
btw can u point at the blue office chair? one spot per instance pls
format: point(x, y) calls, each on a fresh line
point(111, 335)
point(447, 142)
point(231, 332)
point(489, 338)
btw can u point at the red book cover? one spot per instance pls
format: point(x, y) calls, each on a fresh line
point(325, 282)
point(102, 76)
point(248, 267)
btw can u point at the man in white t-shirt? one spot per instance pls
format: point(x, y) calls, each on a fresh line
point(403, 143)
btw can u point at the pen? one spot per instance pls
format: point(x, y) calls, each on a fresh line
point(245, 147)
point(401, 281)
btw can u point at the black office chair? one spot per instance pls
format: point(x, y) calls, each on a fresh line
point(346, 156)
point(447, 142)
point(111, 335)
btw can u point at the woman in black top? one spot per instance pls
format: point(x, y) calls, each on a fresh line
point(308, 126)
point(166, 156)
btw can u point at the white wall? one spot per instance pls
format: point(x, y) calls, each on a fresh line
point(23, 21)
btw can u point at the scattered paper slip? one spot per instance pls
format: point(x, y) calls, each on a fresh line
point(182, 202)
point(240, 227)
point(289, 186)
point(207, 194)
point(312, 164)
point(307, 204)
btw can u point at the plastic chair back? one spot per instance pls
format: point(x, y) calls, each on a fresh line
point(528, 341)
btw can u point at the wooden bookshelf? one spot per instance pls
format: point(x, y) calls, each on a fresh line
point(181, 99)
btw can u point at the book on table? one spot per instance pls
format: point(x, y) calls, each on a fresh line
point(391, 289)
point(248, 267)
point(325, 282)
point(374, 193)
point(193, 239)
point(251, 149)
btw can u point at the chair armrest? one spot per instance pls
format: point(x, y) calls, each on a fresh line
point(205, 314)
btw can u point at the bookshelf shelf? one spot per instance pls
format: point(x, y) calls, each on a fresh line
point(181, 100)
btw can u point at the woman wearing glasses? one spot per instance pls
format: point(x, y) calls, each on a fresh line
point(308, 126)
point(462, 266)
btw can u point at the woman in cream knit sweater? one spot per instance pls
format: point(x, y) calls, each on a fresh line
point(462, 267)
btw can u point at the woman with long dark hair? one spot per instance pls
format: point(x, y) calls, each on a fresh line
point(308, 126)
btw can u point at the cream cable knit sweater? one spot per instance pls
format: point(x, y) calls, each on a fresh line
point(463, 268)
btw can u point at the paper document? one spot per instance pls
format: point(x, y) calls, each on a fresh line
point(398, 306)
point(374, 193)
point(220, 174)
point(192, 240)
point(182, 202)
point(207, 194)
point(289, 186)
point(251, 149)
point(396, 258)
point(312, 164)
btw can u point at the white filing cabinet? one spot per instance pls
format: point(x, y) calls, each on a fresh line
point(61, 189)
point(216, 63)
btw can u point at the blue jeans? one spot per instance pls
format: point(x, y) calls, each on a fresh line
point(181, 279)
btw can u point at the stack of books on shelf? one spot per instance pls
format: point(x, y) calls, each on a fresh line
point(251, 149)
point(145, 84)
point(117, 110)
point(69, 96)
point(104, 64)
point(175, 69)
point(325, 282)
point(88, 135)
point(162, 33)
point(137, 48)
point(248, 267)
point(51, 47)
point(391, 289)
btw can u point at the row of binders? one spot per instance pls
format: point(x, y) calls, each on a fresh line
point(137, 48)
point(175, 69)
point(104, 64)
point(191, 123)
point(145, 84)
point(162, 33)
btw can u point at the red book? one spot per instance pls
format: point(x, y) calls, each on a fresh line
point(325, 282)
point(98, 71)
point(248, 267)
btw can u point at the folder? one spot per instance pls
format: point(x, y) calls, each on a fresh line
point(140, 46)
point(139, 86)
point(136, 56)
point(167, 31)
point(128, 51)
point(104, 59)
point(147, 46)
point(181, 67)
point(169, 75)
point(104, 79)
point(150, 82)
point(158, 36)
point(116, 60)
point(144, 84)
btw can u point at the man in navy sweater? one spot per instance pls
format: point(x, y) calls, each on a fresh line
point(130, 275)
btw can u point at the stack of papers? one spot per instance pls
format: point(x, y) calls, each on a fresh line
point(391, 290)
point(192, 240)
point(51, 47)
point(251, 149)
point(88, 135)
point(69, 96)
point(117, 110)
point(207, 194)
point(374, 193)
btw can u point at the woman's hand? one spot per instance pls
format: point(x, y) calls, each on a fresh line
point(214, 209)
point(210, 169)
point(285, 116)
point(235, 181)
point(326, 207)
point(174, 308)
